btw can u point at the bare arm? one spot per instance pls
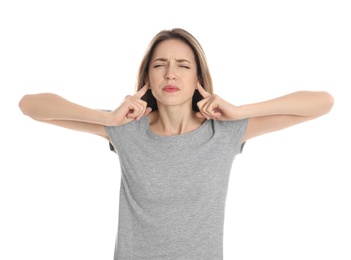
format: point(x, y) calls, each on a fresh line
point(282, 112)
point(53, 109)
point(270, 115)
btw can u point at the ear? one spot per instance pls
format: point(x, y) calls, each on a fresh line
point(146, 78)
point(199, 80)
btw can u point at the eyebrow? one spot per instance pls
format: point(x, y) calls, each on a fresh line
point(177, 60)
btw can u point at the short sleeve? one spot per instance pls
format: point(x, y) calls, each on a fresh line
point(237, 130)
point(109, 134)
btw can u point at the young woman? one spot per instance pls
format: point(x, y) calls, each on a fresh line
point(176, 141)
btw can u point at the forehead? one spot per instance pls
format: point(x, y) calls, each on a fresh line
point(173, 48)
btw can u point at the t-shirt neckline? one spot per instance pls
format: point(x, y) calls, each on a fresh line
point(145, 122)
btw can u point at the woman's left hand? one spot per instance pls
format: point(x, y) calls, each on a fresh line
point(214, 107)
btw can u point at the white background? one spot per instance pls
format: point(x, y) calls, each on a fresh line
point(289, 194)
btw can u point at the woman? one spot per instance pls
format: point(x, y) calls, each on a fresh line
point(176, 142)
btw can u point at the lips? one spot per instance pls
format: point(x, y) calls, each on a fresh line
point(170, 88)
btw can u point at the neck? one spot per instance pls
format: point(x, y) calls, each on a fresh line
point(174, 121)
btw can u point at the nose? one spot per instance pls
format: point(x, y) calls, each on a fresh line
point(170, 73)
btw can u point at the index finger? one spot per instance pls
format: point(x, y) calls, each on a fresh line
point(202, 91)
point(141, 92)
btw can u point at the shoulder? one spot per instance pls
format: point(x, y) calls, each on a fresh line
point(119, 135)
point(127, 130)
point(234, 129)
point(232, 125)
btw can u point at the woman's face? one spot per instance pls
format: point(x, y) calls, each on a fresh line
point(173, 73)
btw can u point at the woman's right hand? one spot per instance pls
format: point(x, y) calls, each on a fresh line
point(132, 108)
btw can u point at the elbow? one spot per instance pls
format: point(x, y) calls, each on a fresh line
point(25, 105)
point(328, 102)
point(319, 104)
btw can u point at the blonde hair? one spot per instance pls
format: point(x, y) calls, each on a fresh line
point(203, 72)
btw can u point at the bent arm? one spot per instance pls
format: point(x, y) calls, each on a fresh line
point(285, 111)
point(53, 109)
point(48, 106)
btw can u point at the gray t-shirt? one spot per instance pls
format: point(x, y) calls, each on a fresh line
point(173, 189)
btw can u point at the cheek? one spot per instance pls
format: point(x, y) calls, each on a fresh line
point(153, 83)
point(193, 81)
point(155, 78)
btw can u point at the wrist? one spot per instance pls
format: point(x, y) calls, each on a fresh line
point(108, 118)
